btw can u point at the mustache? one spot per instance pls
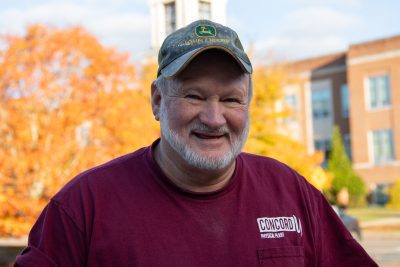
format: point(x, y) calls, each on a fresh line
point(203, 128)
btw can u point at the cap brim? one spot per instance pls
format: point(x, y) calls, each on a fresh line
point(176, 66)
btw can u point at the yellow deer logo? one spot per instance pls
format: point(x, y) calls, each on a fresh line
point(206, 31)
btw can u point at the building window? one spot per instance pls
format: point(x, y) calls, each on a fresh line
point(344, 94)
point(322, 145)
point(325, 147)
point(170, 17)
point(379, 91)
point(204, 10)
point(291, 102)
point(382, 142)
point(321, 103)
point(347, 144)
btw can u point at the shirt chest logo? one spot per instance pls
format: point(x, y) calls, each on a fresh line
point(275, 227)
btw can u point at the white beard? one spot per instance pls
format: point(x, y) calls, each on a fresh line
point(196, 159)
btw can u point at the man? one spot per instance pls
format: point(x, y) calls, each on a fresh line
point(191, 198)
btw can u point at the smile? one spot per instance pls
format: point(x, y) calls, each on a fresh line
point(208, 135)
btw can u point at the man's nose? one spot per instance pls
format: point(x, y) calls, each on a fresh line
point(212, 114)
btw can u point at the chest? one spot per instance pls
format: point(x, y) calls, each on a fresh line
point(242, 229)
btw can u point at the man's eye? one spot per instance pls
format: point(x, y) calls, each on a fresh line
point(194, 97)
point(232, 100)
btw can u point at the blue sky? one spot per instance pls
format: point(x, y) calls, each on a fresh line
point(279, 29)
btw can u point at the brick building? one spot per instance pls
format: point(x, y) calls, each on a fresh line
point(359, 90)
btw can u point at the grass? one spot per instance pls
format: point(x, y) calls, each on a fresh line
point(373, 213)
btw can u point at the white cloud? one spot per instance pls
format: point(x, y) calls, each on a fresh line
point(308, 32)
point(54, 13)
point(317, 21)
point(235, 23)
point(344, 3)
point(287, 48)
point(113, 2)
point(128, 31)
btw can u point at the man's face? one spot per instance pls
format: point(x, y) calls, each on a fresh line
point(204, 113)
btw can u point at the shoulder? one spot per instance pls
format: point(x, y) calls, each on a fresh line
point(248, 157)
point(105, 175)
point(275, 175)
point(265, 164)
point(95, 188)
point(117, 164)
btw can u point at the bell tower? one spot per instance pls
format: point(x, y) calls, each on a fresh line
point(169, 15)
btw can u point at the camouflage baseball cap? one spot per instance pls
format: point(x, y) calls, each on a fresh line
point(181, 46)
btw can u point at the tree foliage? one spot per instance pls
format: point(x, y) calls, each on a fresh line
point(344, 176)
point(394, 195)
point(265, 137)
point(67, 103)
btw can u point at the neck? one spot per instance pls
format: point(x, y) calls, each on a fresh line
point(188, 177)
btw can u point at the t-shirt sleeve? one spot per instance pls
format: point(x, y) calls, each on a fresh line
point(55, 240)
point(335, 244)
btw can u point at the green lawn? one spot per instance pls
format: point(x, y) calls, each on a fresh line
point(373, 213)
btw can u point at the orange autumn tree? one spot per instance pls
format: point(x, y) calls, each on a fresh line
point(267, 113)
point(67, 103)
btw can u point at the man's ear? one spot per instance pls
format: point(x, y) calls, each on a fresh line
point(155, 100)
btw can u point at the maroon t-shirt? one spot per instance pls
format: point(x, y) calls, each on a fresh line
point(128, 213)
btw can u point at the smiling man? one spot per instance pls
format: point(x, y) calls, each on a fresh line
point(204, 117)
point(192, 198)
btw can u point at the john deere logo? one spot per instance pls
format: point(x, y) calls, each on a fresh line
point(206, 31)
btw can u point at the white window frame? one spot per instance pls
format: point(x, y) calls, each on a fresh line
point(368, 96)
point(210, 5)
point(371, 148)
point(167, 23)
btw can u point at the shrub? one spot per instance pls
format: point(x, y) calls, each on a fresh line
point(394, 195)
point(344, 176)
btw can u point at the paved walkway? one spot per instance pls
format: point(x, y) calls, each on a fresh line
point(13, 242)
point(390, 221)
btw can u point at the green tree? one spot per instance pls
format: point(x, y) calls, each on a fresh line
point(344, 176)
